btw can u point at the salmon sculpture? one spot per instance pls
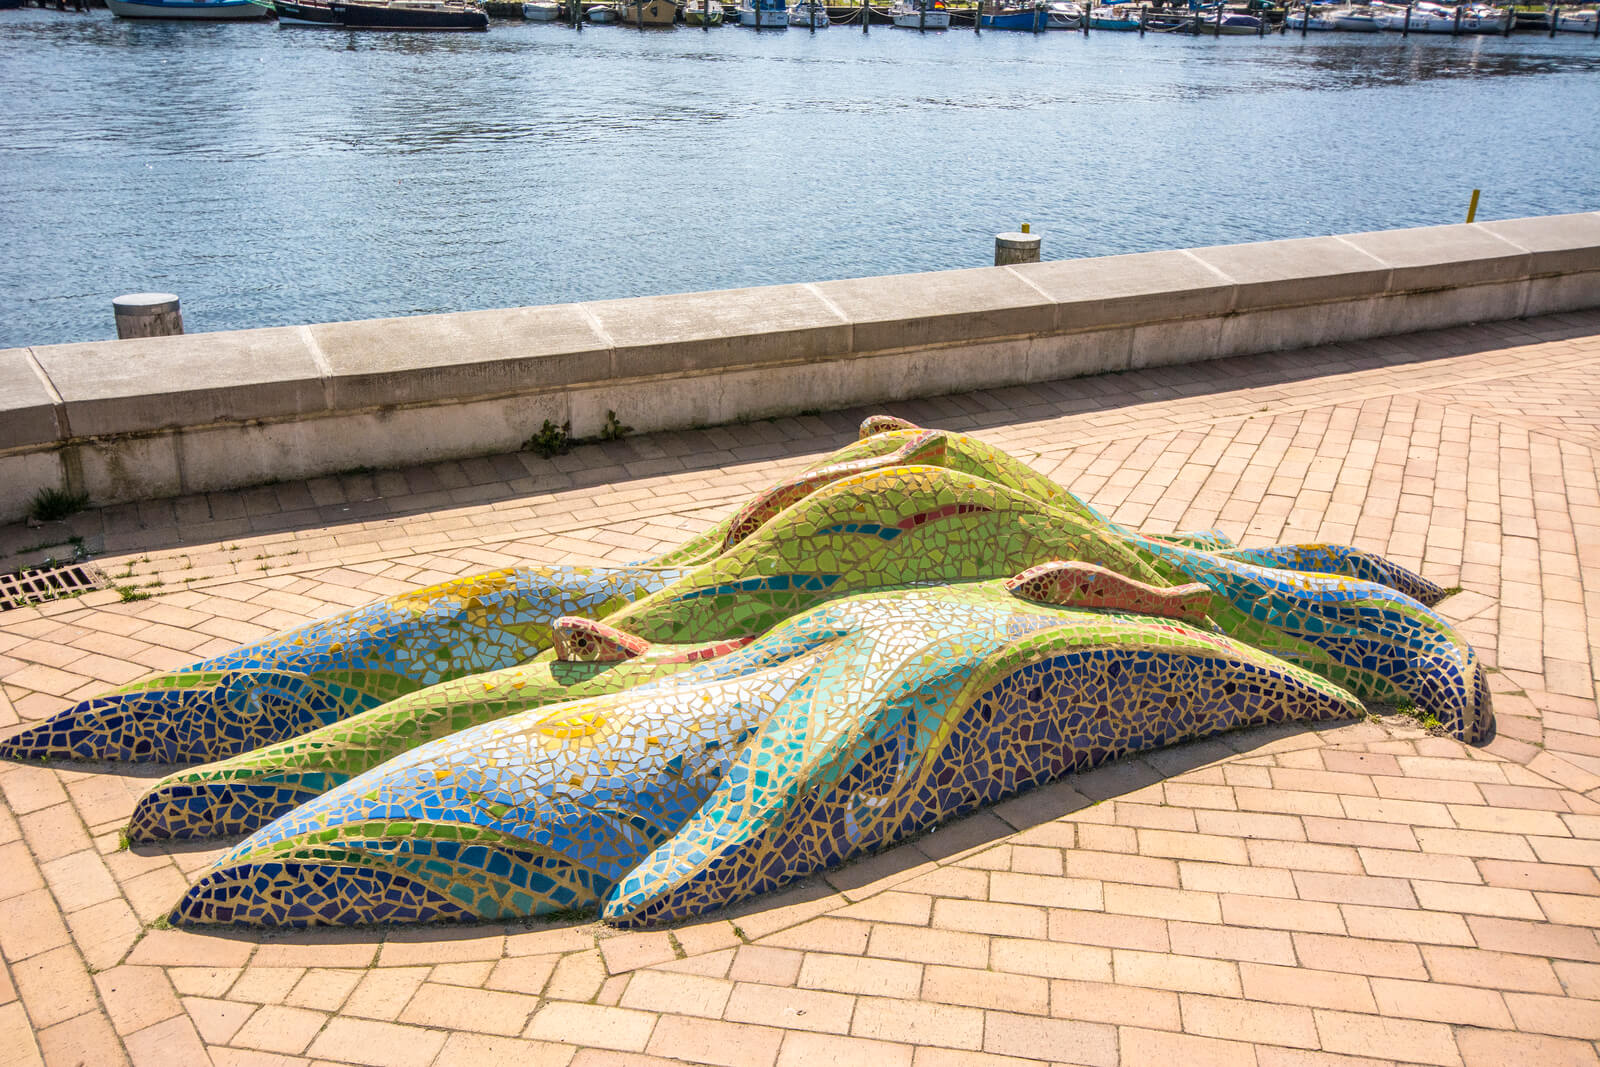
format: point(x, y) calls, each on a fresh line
point(912, 628)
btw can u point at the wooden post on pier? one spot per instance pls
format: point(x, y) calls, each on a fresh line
point(866, 16)
point(1219, 18)
point(1012, 248)
point(1511, 16)
point(147, 315)
point(577, 15)
point(1553, 12)
point(977, 20)
point(1143, 11)
point(1305, 18)
point(1038, 10)
point(638, 18)
point(1405, 30)
point(1455, 30)
point(922, 17)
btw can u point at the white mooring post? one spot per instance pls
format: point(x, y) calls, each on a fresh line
point(1015, 248)
point(147, 315)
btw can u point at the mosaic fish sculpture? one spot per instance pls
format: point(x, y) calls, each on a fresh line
point(916, 626)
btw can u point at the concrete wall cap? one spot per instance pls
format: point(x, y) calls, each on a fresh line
point(1427, 257)
point(153, 383)
point(27, 407)
point(711, 330)
point(940, 307)
point(1142, 287)
point(1300, 271)
point(1558, 243)
point(422, 358)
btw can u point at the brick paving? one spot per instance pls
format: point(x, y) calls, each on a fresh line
point(1355, 894)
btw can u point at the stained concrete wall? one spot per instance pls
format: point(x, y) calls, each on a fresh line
point(125, 420)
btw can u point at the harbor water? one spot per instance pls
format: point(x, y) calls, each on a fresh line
point(274, 176)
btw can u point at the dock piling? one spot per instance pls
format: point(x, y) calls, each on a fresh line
point(1405, 30)
point(1016, 247)
point(147, 315)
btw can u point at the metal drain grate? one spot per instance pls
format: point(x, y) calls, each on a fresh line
point(48, 583)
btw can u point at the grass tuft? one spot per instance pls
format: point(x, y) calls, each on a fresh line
point(50, 505)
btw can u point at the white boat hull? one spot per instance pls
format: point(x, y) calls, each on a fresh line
point(774, 19)
point(924, 20)
point(228, 10)
point(803, 19)
point(602, 14)
point(1581, 23)
point(541, 12)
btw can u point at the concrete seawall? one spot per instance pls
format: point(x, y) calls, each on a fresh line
point(128, 420)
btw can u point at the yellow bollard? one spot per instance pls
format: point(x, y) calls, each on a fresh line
point(1472, 208)
point(1025, 228)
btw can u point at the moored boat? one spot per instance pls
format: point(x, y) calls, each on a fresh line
point(541, 11)
point(1577, 21)
point(703, 13)
point(920, 15)
point(810, 13)
point(1115, 17)
point(409, 15)
point(649, 12)
point(187, 9)
point(1063, 15)
point(304, 13)
point(1216, 21)
point(1322, 18)
point(764, 13)
point(1031, 17)
point(603, 13)
point(1424, 18)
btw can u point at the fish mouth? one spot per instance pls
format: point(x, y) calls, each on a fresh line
point(182, 718)
point(300, 894)
point(196, 810)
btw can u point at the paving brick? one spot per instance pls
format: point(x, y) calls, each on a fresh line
point(1401, 924)
point(1403, 1039)
point(983, 917)
point(772, 966)
point(1496, 1048)
point(1441, 1003)
point(1231, 943)
point(481, 1050)
point(1179, 973)
point(54, 986)
point(86, 1041)
point(1248, 1020)
point(850, 974)
point(614, 1028)
point(1307, 987)
point(1091, 1044)
point(136, 997)
point(217, 1020)
point(1353, 955)
point(790, 1008)
point(986, 989)
point(275, 1028)
point(1478, 900)
point(1157, 1046)
point(719, 1043)
point(166, 1043)
point(1112, 931)
point(446, 1007)
point(918, 1022)
point(801, 1049)
point(1273, 913)
point(679, 994)
point(378, 1044)
point(1049, 959)
point(1554, 1015)
point(1534, 938)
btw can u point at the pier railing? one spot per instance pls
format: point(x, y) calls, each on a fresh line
point(152, 417)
